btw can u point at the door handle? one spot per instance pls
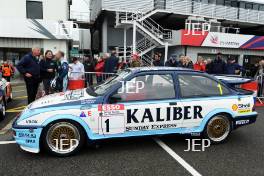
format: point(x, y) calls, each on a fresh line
point(172, 103)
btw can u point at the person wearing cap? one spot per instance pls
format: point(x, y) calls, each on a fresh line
point(77, 69)
point(135, 61)
point(218, 66)
point(233, 68)
point(172, 62)
point(199, 65)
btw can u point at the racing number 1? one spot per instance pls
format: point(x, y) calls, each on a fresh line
point(107, 125)
point(112, 118)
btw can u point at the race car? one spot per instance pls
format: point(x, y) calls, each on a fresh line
point(135, 102)
point(5, 96)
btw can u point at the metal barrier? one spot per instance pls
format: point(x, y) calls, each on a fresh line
point(78, 80)
point(260, 96)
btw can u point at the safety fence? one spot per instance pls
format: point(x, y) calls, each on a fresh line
point(78, 80)
point(260, 89)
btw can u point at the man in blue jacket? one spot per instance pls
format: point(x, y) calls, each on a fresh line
point(233, 68)
point(28, 66)
point(62, 69)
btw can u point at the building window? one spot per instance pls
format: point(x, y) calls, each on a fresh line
point(249, 6)
point(227, 3)
point(234, 4)
point(242, 4)
point(220, 2)
point(34, 10)
point(261, 7)
point(255, 7)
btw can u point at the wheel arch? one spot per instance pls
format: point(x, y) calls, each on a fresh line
point(68, 118)
point(212, 114)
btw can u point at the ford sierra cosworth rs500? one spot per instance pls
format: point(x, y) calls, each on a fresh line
point(135, 102)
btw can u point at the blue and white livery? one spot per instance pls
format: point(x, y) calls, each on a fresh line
point(136, 102)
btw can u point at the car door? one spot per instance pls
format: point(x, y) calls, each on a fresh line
point(200, 95)
point(147, 102)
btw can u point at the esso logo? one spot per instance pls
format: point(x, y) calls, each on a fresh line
point(111, 107)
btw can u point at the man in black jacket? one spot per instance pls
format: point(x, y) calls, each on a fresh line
point(157, 60)
point(218, 66)
point(111, 63)
point(172, 62)
point(29, 67)
point(89, 65)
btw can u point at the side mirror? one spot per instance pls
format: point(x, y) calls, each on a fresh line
point(115, 98)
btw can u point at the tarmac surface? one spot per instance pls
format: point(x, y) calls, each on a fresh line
point(241, 155)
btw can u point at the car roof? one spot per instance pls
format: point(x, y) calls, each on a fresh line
point(177, 69)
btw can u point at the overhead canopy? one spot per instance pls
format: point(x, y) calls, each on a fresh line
point(255, 1)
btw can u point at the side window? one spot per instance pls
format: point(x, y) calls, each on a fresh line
point(192, 86)
point(147, 87)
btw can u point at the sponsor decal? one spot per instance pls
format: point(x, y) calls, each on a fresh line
point(214, 39)
point(234, 107)
point(160, 118)
point(177, 113)
point(151, 127)
point(195, 134)
point(242, 108)
point(31, 121)
point(85, 107)
point(26, 135)
point(30, 141)
point(242, 122)
point(76, 94)
point(82, 114)
point(88, 101)
point(89, 113)
point(110, 107)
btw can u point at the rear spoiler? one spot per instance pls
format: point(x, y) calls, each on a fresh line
point(233, 80)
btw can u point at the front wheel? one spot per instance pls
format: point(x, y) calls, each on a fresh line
point(218, 129)
point(63, 138)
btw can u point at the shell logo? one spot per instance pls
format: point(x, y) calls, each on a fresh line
point(234, 107)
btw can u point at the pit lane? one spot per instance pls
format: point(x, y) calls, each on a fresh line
point(242, 154)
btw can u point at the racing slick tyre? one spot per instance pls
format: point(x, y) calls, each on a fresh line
point(63, 138)
point(3, 110)
point(218, 129)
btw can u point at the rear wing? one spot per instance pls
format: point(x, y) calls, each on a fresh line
point(233, 80)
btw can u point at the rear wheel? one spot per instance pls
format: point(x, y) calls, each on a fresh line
point(218, 129)
point(63, 138)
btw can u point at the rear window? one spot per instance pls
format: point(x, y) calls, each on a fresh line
point(192, 86)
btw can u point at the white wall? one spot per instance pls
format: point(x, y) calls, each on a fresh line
point(55, 45)
point(13, 9)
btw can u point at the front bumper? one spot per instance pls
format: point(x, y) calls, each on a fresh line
point(244, 120)
point(28, 138)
